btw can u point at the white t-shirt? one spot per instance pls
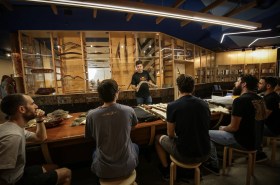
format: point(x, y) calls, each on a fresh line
point(12, 151)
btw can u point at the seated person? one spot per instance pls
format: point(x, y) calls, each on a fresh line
point(272, 99)
point(242, 132)
point(109, 126)
point(188, 120)
point(20, 109)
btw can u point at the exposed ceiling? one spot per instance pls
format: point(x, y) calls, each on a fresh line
point(23, 15)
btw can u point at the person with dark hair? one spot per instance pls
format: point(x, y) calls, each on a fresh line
point(109, 126)
point(272, 99)
point(188, 120)
point(20, 109)
point(140, 82)
point(247, 118)
point(277, 87)
point(7, 86)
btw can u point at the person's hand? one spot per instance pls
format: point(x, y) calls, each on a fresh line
point(222, 127)
point(39, 115)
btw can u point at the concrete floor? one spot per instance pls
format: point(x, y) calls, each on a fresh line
point(148, 174)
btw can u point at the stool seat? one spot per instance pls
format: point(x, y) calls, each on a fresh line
point(130, 180)
point(175, 163)
point(251, 160)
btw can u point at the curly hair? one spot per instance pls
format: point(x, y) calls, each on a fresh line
point(107, 90)
point(251, 81)
point(185, 83)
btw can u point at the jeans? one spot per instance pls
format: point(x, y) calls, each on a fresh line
point(222, 138)
point(144, 100)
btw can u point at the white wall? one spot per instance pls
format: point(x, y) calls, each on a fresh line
point(6, 67)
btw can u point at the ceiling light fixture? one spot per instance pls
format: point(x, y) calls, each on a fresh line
point(237, 33)
point(262, 39)
point(140, 8)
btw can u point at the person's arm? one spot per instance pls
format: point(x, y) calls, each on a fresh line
point(268, 112)
point(171, 130)
point(41, 133)
point(233, 126)
point(133, 87)
point(134, 120)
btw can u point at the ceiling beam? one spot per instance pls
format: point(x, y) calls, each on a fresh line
point(54, 9)
point(206, 9)
point(7, 4)
point(129, 15)
point(175, 5)
point(235, 11)
point(94, 14)
point(159, 11)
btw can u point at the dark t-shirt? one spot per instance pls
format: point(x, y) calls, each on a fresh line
point(144, 88)
point(272, 103)
point(250, 107)
point(191, 117)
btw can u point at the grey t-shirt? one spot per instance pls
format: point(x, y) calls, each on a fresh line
point(115, 156)
point(12, 151)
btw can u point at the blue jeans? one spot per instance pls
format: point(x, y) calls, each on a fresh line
point(144, 100)
point(222, 138)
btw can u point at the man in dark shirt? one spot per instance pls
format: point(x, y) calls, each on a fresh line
point(248, 114)
point(140, 82)
point(188, 120)
point(271, 98)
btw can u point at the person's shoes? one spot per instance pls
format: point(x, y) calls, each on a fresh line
point(260, 157)
point(164, 172)
point(212, 169)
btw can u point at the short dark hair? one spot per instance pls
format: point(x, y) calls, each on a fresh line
point(251, 81)
point(185, 83)
point(107, 90)
point(272, 81)
point(138, 62)
point(11, 102)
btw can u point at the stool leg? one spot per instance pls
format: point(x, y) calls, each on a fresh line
point(273, 150)
point(197, 176)
point(249, 169)
point(225, 159)
point(253, 163)
point(229, 156)
point(172, 173)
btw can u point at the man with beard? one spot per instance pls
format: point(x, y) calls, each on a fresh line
point(271, 98)
point(248, 114)
point(20, 109)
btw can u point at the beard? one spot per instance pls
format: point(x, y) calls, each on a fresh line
point(29, 115)
point(261, 90)
point(236, 91)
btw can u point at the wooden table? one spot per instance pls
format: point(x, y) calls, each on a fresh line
point(65, 134)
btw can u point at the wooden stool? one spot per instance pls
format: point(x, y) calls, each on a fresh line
point(273, 142)
point(251, 161)
point(130, 180)
point(175, 163)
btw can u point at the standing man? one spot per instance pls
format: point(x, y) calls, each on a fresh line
point(247, 117)
point(271, 98)
point(140, 83)
point(20, 109)
point(109, 126)
point(188, 120)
